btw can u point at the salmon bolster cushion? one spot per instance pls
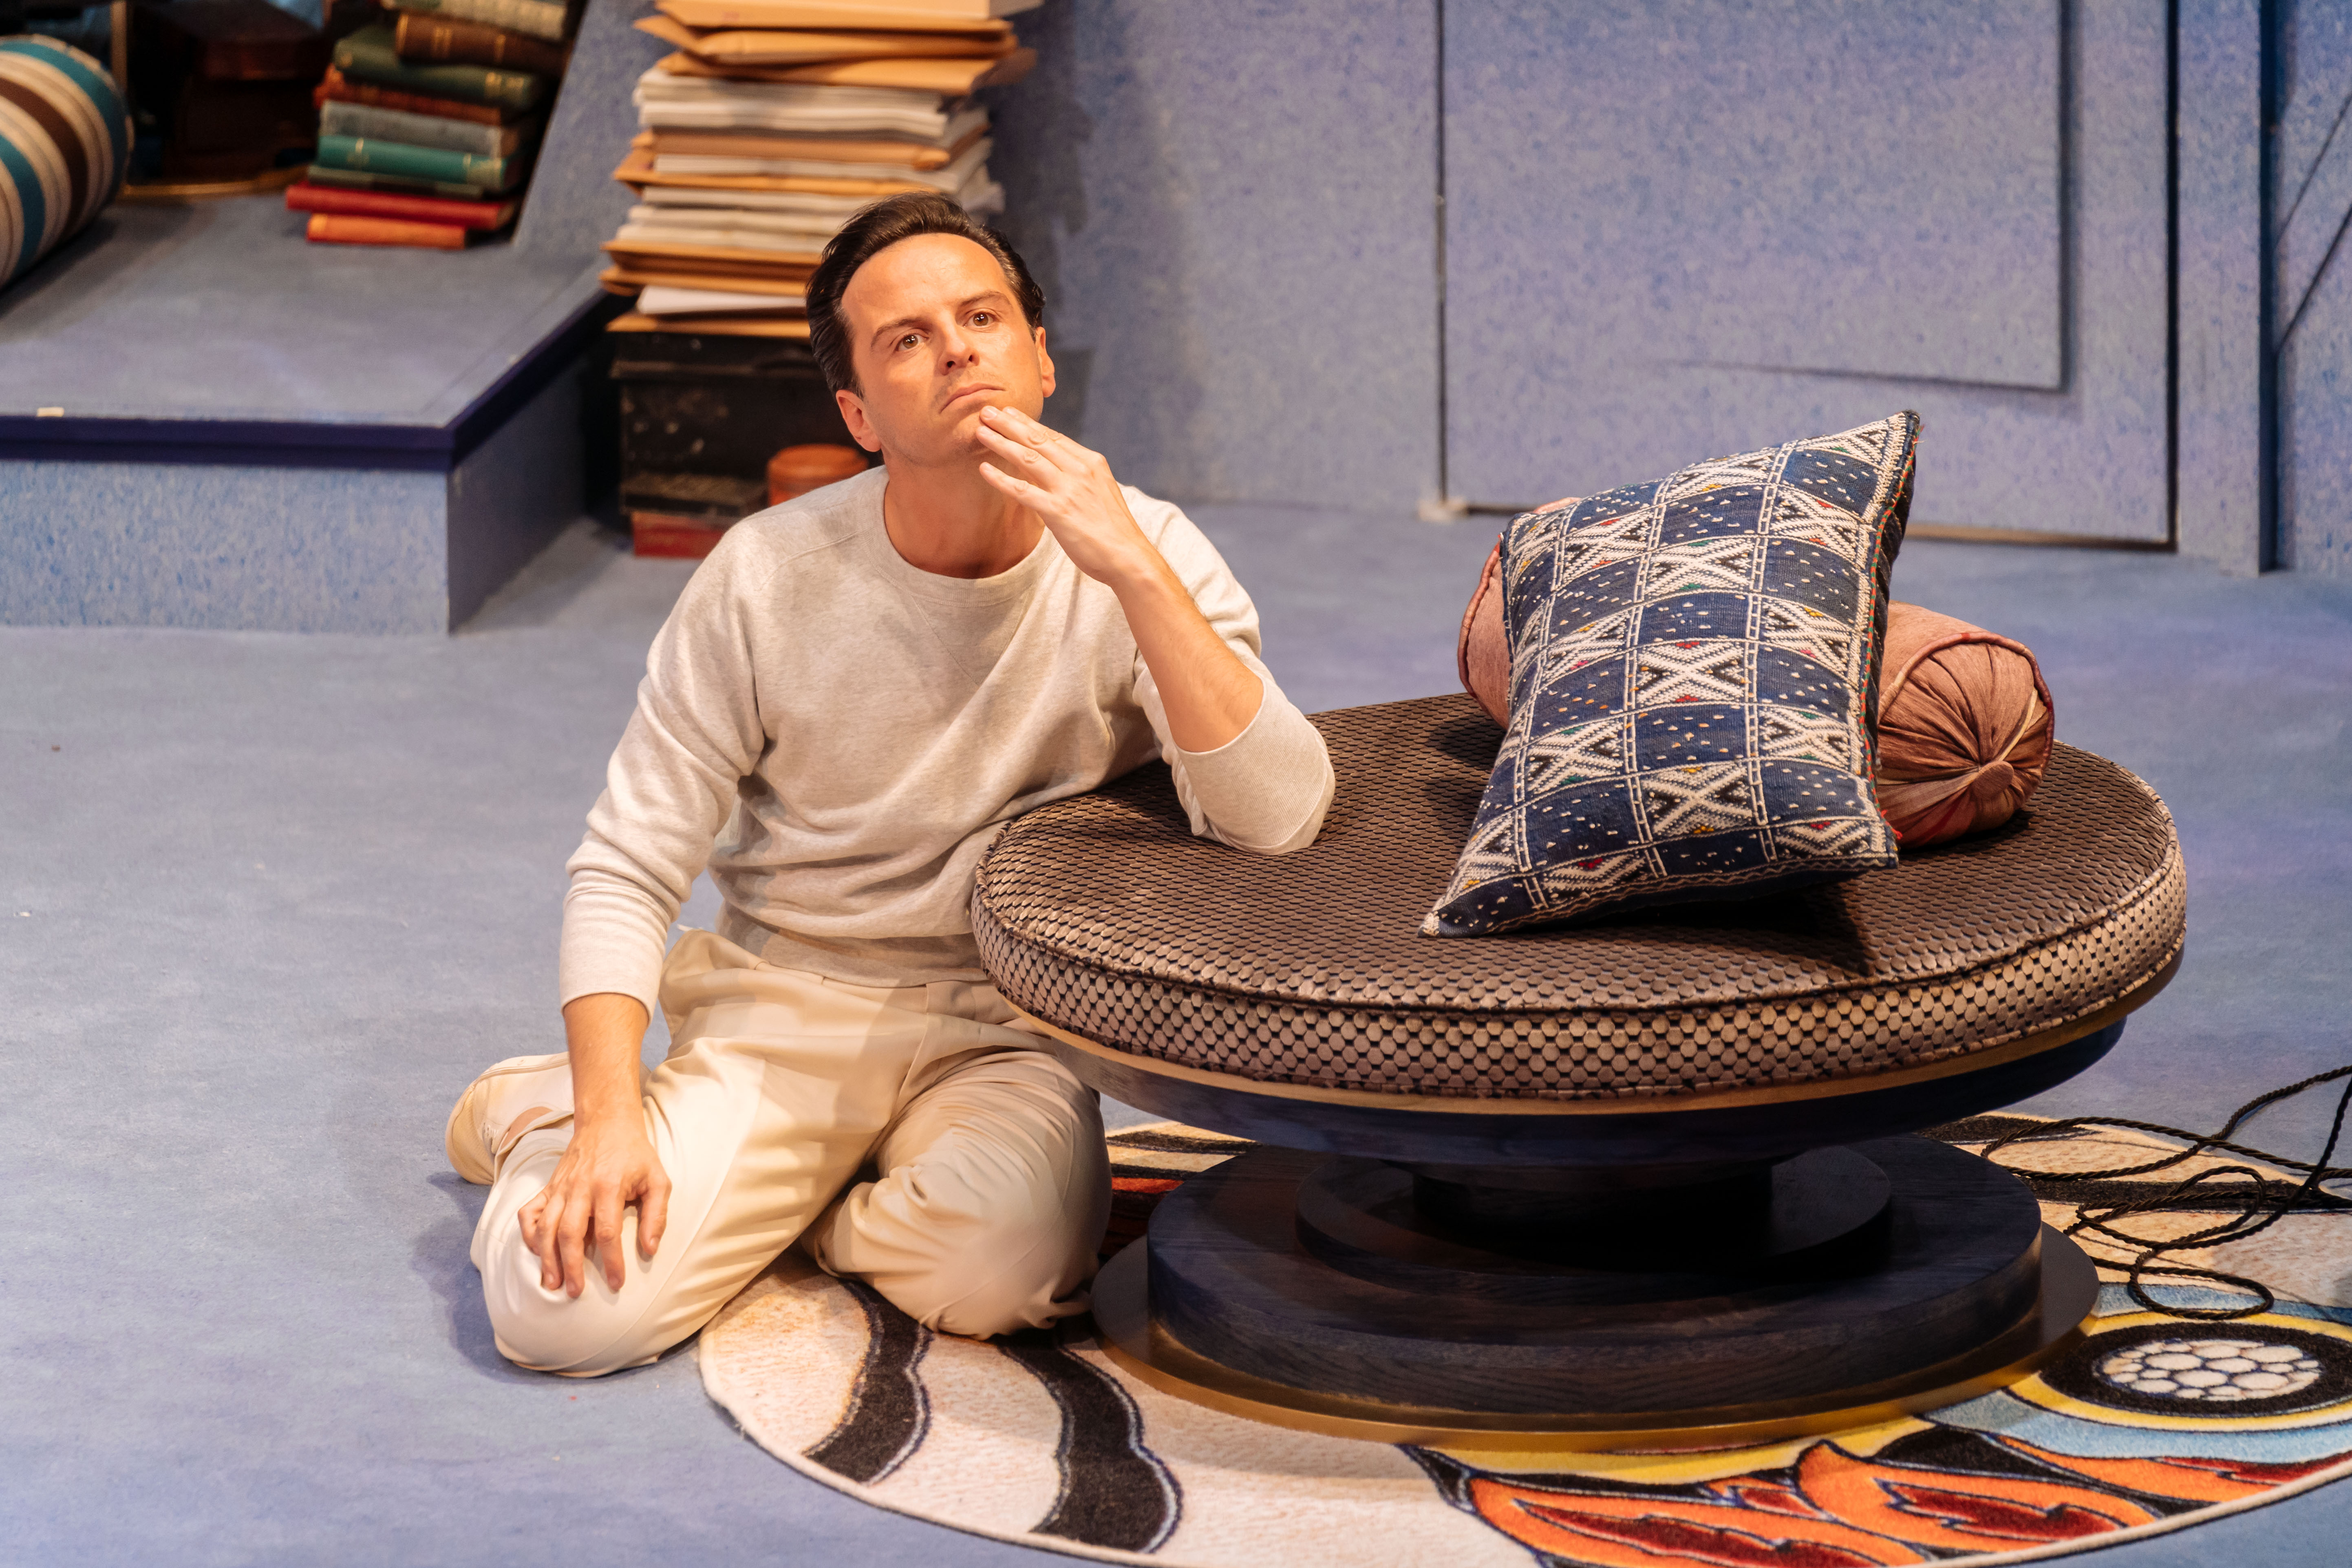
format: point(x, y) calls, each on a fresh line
point(1964, 727)
point(1692, 668)
point(1964, 719)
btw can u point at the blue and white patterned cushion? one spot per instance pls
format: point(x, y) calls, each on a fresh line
point(1694, 687)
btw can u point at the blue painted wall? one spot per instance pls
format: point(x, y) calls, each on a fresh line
point(1230, 206)
point(1682, 227)
point(1795, 184)
point(2313, 300)
point(2224, 457)
point(575, 204)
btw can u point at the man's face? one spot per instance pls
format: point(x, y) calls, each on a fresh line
point(935, 336)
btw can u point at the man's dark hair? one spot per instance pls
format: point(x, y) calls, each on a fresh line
point(877, 228)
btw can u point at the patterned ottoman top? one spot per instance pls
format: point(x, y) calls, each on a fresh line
point(1102, 915)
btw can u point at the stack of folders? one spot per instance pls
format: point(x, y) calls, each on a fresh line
point(773, 122)
point(428, 121)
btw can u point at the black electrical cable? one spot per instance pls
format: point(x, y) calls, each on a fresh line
point(2264, 1204)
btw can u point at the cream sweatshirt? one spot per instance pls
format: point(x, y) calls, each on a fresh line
point(839, 735)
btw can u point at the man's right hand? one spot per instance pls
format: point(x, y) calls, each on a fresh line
point(608, 1166)
point(610, 1162)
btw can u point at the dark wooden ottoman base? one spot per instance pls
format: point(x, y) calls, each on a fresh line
point(1316, 1292)
point(1519, 1280)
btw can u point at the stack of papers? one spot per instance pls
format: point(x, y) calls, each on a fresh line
point(778, 120)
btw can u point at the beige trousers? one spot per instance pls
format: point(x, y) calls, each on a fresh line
point(989, 1188)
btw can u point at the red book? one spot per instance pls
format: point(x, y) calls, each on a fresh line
point(484, 216)
point(677, 538)
point(334, 228)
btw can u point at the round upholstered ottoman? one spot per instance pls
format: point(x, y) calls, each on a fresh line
point(1652, 1178)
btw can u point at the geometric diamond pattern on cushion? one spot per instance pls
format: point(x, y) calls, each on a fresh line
point(1694, 687)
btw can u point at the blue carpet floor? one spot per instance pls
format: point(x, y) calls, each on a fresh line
point(271, 900)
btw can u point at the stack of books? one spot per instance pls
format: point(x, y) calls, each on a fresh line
point(428, 121)
point(775, 121)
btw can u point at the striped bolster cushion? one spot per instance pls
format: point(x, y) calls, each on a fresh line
point(65, 141)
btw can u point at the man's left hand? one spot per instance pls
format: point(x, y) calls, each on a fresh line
point(1210, 695)
point(1072, 491)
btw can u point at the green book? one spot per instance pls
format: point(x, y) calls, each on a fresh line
point(371, 156)
point(368, 56)
point(337, 118)
point(353, 180)
point(537, 18)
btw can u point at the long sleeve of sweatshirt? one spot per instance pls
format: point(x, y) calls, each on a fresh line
point(838, 737)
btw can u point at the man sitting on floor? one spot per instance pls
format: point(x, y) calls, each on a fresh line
point(863, 685)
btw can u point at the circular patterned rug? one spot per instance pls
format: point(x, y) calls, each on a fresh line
point(2156, 1422)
